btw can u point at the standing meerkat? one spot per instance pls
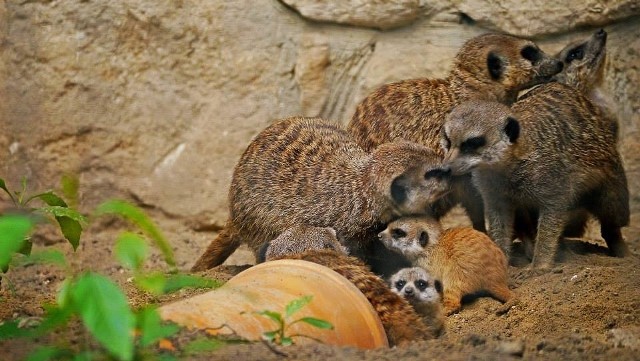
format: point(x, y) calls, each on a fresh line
point(310, 172)
point(400, 321)
point(466, 261)
point(490, 66)
point(423, 292)
point(583, 70)
point(551, 153)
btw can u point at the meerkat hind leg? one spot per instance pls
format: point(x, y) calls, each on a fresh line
point(550, 227)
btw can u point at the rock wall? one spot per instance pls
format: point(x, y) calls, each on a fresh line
point(156, 100)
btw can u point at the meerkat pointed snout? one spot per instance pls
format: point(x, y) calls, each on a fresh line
point(583, 62)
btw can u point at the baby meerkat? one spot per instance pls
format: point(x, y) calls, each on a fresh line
point(552, 152)
point(423, 292)
point(401, 322)
point(298, 239)
point(466, 261)
point(490, 66)
point(310, 172)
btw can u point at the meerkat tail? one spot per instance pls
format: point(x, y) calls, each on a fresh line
point(218, 251)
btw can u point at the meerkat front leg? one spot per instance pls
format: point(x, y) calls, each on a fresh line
point(501, 215)
point(550, 226)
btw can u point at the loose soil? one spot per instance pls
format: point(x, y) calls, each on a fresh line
point(586, 308)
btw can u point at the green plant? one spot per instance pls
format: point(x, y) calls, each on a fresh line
point(69, 219)
point(279, 336)
point(97, 301)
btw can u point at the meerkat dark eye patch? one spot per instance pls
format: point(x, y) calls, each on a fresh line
point(576, 53)
point(398, 233)
point(438, 173)
point(400, 284)
point(495, 66)
point(422, 285)
point(424, 238)
point(438, 285)
point(472, 144)
point(512, 129)
point(531, 53)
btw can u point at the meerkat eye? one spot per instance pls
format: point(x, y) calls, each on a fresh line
point(530, 53)
point(398, 233)
point(422, 285)
point(437, 173)
point(400, 284)
point(472, 144)
point(575, 53)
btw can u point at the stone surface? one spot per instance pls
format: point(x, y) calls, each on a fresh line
point(155, 101)
point(381, 14)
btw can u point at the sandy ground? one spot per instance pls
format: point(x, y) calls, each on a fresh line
point(588, 307)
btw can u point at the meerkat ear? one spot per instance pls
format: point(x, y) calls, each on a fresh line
point(512, 129)
point(438, 285)
point(399, 190)
point(424, 238)
point(495, 66)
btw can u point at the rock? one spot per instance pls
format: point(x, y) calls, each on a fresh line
point(558, 16)
point(373, 14)
point(310, 73)
point(625, 337)
point(513, 348)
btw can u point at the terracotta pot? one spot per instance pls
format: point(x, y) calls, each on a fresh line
point(271, 286)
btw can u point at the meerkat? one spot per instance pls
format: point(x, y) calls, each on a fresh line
point(583, 70)
point(401, 322)
point(465, 260)
point(298, 239)
point(423, 292)
point(490, 66)
point(310, 172)
point(552, 152)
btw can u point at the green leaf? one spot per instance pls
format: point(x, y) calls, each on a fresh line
point(45, 353)
point(10, 329)
point(105, 312)
point(50, 199)
point(26, 248)
point(13, 230)
point(179, 281)
point(140, 219)
point(272, 315)
point(70, 185)
point(55, 317)
point(71, 230)
point(62, 211)
point(3, 186)
point(202, 344)
point(286, 341)
point(47, 256)
point(270, 335)
point(151, 327)
point(295, 305)
point(153, 282)
point(131, 250)
point(316, 322)
point(63, 298)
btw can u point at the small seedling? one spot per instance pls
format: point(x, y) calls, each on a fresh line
point(279, 336)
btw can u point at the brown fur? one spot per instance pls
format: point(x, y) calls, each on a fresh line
point(309, 172)
point(465, 260)
point(401, 322)
point(423, 292)
point(583, 70)
point(551, 153)
point(298, 239)
point(490, 67)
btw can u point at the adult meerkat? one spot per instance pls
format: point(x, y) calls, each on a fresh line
point(465, 260)
point(298, 239)
point(583, 70)
point(401, 322)
point(310, 172)
point(552, 152)
point(490, 66)
point(423, 292)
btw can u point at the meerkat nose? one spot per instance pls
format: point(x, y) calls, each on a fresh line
point(409, 291)
point(601, 33)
